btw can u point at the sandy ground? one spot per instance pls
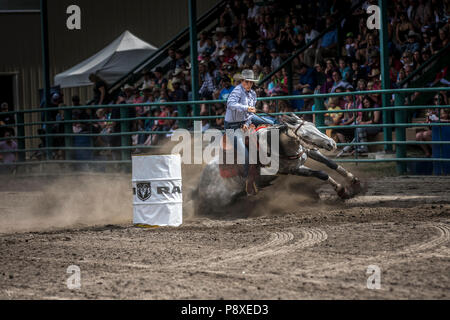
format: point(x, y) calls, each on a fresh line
point(294, 240)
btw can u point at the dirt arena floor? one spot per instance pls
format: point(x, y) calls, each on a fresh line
point(294, 240)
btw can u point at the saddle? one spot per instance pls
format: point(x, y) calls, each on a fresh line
point(233, 170)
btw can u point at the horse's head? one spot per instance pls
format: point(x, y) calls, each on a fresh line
point(307, 133)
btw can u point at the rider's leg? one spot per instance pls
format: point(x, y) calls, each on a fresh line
point(242, 151)
point(316, 155)
point(257, 120)
point(250, 171)
point(307, 172)
point(234, 133)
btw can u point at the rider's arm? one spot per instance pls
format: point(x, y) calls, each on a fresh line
point(233, 102)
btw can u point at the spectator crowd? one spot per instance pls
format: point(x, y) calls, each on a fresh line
point(261, 36)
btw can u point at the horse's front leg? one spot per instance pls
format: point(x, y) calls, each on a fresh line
point(308, 172)
point(354, 181)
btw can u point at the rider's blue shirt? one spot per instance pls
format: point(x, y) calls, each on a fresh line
point(237, 104)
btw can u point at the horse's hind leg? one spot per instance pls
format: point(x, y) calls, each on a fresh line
point(307, 172)
point(354, 181)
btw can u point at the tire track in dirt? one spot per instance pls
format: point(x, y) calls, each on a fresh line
point(278, 244)
point(311, 237)
point(443, 231)
point(275, 245)
point(413, 252)
point(276, 239)
point(408, 253)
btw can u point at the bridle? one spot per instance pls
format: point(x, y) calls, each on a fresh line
point(300, 154)
point(298, 127)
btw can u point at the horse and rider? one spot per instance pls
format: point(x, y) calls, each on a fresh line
point(298, 140)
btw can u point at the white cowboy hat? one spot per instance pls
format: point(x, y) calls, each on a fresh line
point(127, 86)
point(307, 91)
point(177, 71)
point(411, 33)
point(146, 86)
point(248, 75)
point(220, 30)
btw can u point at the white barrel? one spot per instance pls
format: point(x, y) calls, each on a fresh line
point(157, 193)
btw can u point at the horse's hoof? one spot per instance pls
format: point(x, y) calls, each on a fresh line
point(343, 193)
point(356, 186)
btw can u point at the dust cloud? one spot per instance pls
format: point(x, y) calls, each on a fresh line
point(34, 204)
point(87, 199)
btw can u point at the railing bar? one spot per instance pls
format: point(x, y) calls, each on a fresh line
point(129, 161)
point(293, 97)
point(157, 147)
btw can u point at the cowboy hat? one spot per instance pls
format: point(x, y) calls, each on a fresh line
point(220, 30)
point(374, 73)
point(146, 86)
point(127, 87)
point(307, 91)
point(248, 75)
point(177, 71)
point(411, 33)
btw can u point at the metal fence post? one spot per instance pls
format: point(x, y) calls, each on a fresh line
point(182, 113)
point(68, 130)
point(124, 128)
point(289, 74)
point(385, 80)
point(400, 133)
point(320, 118)
point(48, 140)
point(21, 134)
point(45, 73)
point(194, 55)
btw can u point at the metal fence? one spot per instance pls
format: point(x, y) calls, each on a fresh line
point(66, 139)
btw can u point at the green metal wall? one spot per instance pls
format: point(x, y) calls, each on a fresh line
point(154, 21)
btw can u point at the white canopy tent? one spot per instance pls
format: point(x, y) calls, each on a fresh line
point(111, 63)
